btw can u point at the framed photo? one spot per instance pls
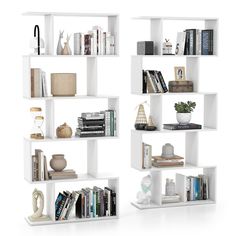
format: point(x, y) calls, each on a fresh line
point(180, 73)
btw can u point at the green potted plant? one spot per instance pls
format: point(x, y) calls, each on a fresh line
point(184, 110)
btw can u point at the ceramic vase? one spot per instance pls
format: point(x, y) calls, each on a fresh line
point(183, 118)
point(58, 162)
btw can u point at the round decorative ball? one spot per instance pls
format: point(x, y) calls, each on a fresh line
point(58, 162)
point(64, 131)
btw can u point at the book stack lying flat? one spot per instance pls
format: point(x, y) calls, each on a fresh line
point(153, 82)
point(97, 124)
point(178, 126)
point(175, 161)
point(87, 203)
point(65, 174)
point(170, 199)
point(197, 188)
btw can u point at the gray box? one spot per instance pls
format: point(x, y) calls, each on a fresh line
point(145, 48)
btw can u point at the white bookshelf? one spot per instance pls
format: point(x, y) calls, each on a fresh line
point(92, 174)
point(192, 64)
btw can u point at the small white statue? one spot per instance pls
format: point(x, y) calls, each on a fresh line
point(144, 196)
point(66, 50)
point(38, 198)
point(59, 45)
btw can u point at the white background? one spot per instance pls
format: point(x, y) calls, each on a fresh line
point(114, 78)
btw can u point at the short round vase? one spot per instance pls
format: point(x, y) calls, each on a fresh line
point(58, 162)
point(183, 118)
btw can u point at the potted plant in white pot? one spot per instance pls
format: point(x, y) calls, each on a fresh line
point(184, 110)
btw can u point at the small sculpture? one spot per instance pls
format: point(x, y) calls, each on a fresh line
point(59, 45)
point(64, 131)
point(167, 47)
point(144, 196)
point(66, 50)
point(150, 125)
point(167, 150)
point(141, 119)
point(38, 198)
point(58, 162)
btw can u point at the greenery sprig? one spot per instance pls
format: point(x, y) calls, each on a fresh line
point(185, 107)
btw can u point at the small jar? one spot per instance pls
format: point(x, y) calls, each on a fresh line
point(170, 187)
point(58, 162)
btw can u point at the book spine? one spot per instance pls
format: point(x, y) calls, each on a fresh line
point(112, 45)
point(77, 43)
point(87, 44)
point(108, 43)
point(112, 122)
point(115, 123)
point(144, 82)
point(147, 156)
point(151, 82)
point(35, 168)
point(162, 81)
point(113, 203)
point(60, 208)
point(94, 204)
point(82, 44)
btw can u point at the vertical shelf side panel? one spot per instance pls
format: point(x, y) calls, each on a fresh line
point(211, 173)
point(137, 75)
point(210, 111)
point(50, 199)
point(49, 34)
point(156, 188)
point(192, 71)
point(157, 35)
point(113, 27)
point(214, 24)
point(191, 148)
point(136, 150)
point(113, 104)
point(27, 160)
point(181, 186)
point(156, 110)
point(50, 118)
point(92, 157)
point(114, 185)
point(26, 77)
point(91, 76)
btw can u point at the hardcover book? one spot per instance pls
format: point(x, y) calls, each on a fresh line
point(181, 127)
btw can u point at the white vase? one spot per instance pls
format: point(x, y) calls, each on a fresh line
point(183, 118)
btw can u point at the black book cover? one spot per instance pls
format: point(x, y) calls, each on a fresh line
point(162, 81)
point(182, 127)
point(84, 122)
point(87, 44)
point(113, 204)
point(187, 43)
point(207, 42)
point(92, 128)
point(191, 41)
point(105, 199)
point(144, 81)
point(78, 206)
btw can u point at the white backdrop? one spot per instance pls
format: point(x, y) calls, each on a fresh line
point(217, 74)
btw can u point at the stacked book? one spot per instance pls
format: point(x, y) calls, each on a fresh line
point(65, 174)
point(153, 82)
point(175, 161)
point(97, 124)
point(146, 156)
point(39, 166)
point(195, 42)
point(38, 83)
point(86, 203)
point(197, 188)
point(94, 42)
point(178, 126)
point(170, 199)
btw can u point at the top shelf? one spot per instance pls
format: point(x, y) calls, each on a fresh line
point(175, 18)
point(70, 14)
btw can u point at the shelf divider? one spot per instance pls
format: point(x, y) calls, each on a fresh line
point(91, 76)
point(92, 158)
point(49, 34)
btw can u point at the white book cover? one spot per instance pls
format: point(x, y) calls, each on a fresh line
point(108, 43)
point(99, 38)
point(77, 42)
point(44, 84)
point(108, 202)
point(112, 45)
point(41, 166)
point(198, 41)
point(82, 44)
point(180, 43)
point(103, 45)
point(147, 162)
point(93, 42)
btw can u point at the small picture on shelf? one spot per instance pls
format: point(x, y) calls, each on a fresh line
point(180, 73)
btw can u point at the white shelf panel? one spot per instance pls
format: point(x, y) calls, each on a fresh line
point(175, 94)
point(69, 14)
point(172, 56)
point(73, 220)
point(68, 56)
point(176, 168)
point(204, 129)
point(178, 204)
point(174, 18)
point(73, 97)
point(73, 139)
point(81, 177)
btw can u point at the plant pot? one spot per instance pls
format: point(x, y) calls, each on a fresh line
point(183, 118)
point(58, 162)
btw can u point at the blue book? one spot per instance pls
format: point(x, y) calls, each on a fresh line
point(196, 189)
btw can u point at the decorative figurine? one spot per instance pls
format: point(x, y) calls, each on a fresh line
point(150, 125)
point(141, 119)
point(167, 150)
point(66, 50)
point(64, 131)
point(59, 45)
point(38, 198)
point(170, 187)
point(167, 47)
point(38, 119)
point(144, 196)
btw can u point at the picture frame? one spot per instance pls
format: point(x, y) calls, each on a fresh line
point(180, 73)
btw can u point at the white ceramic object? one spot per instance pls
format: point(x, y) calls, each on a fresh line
point(167, 150)
point(183, 118)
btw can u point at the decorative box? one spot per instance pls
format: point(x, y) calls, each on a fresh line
point(63, 84)
point(180, 86)
point(145, 48)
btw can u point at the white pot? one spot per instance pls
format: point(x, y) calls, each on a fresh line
point(183, 118)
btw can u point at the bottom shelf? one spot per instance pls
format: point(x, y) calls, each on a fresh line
point(72, 220)
point(176, 204)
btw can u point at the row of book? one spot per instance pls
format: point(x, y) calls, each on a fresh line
point(86, 203)
point(97, 124)
point(38, 83)
point(40, 170)
point(153, 82)
point(197, 188)
point(94, 42)
point(195, 42)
